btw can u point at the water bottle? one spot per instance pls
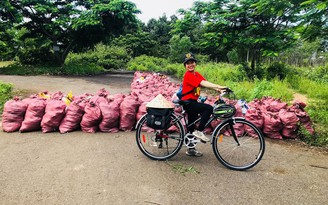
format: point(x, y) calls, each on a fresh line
point(202, 99)
point(243, 105)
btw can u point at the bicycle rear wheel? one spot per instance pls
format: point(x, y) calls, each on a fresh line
point(238, 144)
point(159, 144)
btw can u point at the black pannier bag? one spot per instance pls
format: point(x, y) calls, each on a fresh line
point(159, 118)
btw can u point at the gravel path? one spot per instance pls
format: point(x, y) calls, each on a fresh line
point(81, 168)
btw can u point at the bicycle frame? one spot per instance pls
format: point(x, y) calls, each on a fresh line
point(182, 116)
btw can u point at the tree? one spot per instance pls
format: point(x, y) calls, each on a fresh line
point(254, 27)
point(7, 16)
point(190, 25)
point(159, 31)
point(270, 27)
point(138, 43)
point(178, 47)
point(314, 23)
point(5, 49)
point(71, 24)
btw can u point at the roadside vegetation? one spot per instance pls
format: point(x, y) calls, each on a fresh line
point(256, 47)
point(300, 80)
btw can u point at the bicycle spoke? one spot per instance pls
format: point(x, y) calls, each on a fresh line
point(244, 154)
point(159, 144)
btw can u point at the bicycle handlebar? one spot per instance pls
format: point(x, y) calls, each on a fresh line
point(227, 91)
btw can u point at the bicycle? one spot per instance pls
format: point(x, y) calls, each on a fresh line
point(237, 143)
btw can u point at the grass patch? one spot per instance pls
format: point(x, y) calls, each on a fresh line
point(317, 107)
point(5, 63)
point(182, 169)
point(6, 93)
point(68, 69)
point(148, 63)
point(320, 138)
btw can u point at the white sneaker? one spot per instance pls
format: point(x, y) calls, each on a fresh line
point(200, 135)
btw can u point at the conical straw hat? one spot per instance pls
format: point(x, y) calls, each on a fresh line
point(159, 102)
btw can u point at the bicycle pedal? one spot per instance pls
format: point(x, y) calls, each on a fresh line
point(203, 141)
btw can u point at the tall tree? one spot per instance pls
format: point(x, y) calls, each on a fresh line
point(159, 31)
point(7, 16)
point(315, 19)
point(254, 28)
point(138, 43)
point(71, 24)
point(178, 47)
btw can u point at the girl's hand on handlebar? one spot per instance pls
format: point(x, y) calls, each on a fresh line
point(222, 89)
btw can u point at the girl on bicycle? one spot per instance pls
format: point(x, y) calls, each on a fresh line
point(191, 85)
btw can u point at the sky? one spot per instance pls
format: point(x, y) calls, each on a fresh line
point(156, 8)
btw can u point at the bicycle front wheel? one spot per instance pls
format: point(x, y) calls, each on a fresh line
point(159, 144)
point(238, 144)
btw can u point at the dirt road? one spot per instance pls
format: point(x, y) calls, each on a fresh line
point(102, 168)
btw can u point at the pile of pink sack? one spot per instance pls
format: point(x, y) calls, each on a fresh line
point(273, 117)
point(103, 112)
point(50, 112)
point(146, 86)
point(278, 120)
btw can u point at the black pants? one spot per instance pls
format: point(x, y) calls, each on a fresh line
point(193, 109)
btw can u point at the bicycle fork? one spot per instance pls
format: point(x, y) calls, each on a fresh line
point(231, 123)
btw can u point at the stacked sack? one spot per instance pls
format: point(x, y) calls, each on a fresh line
point(51, 112)
point(276, 119)
point(13, 115)
point(273, 117)
point(146, 86)
point(90, 113)
point(112, 113)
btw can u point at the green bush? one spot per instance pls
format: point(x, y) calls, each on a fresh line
point(293, 81)
point(315, 87)
point(277, 70)
point(229, 75)
point(75, 68)
point(275, 88)
point(202, 59)
point(220, 72)
point(320, 137)
point(242, 90)
point(6, 63)
point(108, 57)
point(318, 110)
point(172, 68)
point(19, 69)
point(318, 74)
point(233, 56)
point(112, 57)
point(312, 88)
point(5, 93)
point(149, 63)
point(262, 88)
point(251, 73)
point(71, 68)
point(178, 47)
point(36, 50)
